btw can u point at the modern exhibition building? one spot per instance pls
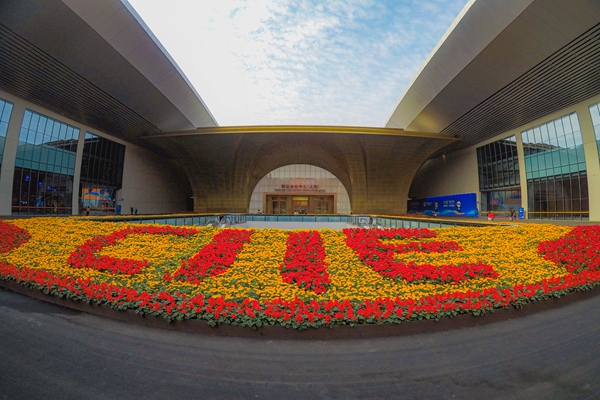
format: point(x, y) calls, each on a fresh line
point(504, 114)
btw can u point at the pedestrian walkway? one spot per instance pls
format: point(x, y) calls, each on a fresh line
point(51, 352)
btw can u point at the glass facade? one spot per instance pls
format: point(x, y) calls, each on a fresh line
point(499, 180)
point(595, 114)
point(556, 170)
point(44, 166)
point(302, 188)
point(5, 111)
point(101, 173)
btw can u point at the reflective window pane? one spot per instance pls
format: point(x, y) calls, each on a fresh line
point(552, 167)
point(40, 186)
point(5, 112)
point(101, 173)
point(498, 164)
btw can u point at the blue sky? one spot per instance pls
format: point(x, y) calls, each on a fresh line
point(299, 62)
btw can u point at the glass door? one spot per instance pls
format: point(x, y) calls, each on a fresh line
point(300, 204)
point(277, 204)
point(323, 204)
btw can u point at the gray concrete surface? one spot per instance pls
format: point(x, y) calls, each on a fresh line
point(296, 225)
point(48, 352)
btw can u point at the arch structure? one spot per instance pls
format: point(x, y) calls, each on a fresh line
point(376, 165)
point(302, 189)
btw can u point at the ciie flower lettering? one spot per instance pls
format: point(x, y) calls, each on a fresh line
point(304, 263)
point(85, 256)
point(568, 262)
point(367, 244)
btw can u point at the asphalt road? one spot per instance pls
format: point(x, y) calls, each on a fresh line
point(48, 352)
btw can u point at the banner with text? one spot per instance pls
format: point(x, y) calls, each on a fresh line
point(454, 205)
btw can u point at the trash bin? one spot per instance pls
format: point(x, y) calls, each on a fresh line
point(521, 213)
point(118, 209)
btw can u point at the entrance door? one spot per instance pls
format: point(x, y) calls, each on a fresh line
point(277, 204)
point(323, 204)
point(300, 204)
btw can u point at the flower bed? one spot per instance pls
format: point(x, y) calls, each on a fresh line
point(298, 279)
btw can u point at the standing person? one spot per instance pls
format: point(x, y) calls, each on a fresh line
point(132, 210)
point(87, 210)
point(513, 214)
point(135, 211)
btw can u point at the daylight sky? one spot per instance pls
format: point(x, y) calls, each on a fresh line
point(299, 62)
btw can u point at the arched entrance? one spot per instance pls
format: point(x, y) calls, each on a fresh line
point(300, 189)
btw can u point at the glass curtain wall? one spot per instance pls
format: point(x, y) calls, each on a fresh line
point(595, 114)
point(499, 181)
point(5, 111)
point(44, 166)
point(101, 174)
point(556, 170)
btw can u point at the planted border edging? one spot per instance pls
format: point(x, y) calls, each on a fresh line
point(323, 333)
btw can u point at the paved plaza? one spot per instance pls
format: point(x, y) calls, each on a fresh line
point(51, 352)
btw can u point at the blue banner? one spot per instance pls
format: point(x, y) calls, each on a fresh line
point(454, 205)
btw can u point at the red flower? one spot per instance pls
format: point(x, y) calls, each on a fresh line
point(11, 236)
point(304, 262)
point(367, 244)
point(215, 258)
point(85, 255)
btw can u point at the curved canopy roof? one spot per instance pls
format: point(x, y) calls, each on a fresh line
point(503, 64)
point(95, 62)
point(376, 165)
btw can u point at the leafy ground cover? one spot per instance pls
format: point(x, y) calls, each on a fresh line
point(298, 279)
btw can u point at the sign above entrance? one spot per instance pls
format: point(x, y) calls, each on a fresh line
point(301, 185)
point(300, 188)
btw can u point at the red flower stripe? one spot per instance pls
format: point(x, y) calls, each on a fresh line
point(367, 244)
point(11, 236)
point(577, 250)
point(215, 258)
point(304, 262)
point(85, 255)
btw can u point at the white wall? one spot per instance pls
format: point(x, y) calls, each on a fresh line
point(152, 184)
point(453, 173)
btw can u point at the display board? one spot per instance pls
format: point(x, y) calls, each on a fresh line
point(454, 205)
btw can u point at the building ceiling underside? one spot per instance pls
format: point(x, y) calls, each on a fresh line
point(545, 59)
point(51, 56)
point(567, 77)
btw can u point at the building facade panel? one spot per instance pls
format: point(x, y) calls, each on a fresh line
point(555, 167)
point(43, 146)
point(558, 167)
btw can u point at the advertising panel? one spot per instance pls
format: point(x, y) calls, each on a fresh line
point(454, 205)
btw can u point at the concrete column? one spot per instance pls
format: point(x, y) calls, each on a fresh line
point(7, 171)
point(522, 173)
point(592, 163)
point(77, 171)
